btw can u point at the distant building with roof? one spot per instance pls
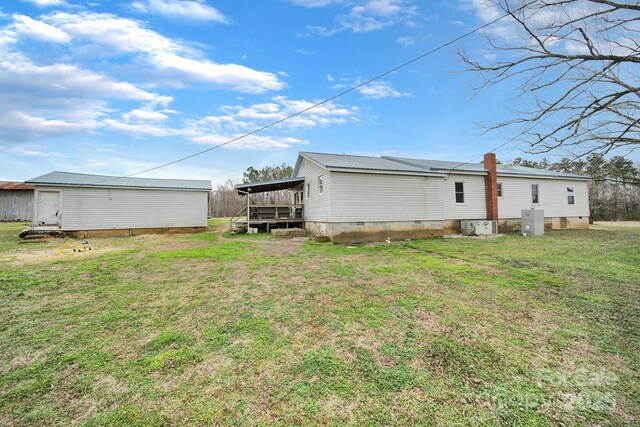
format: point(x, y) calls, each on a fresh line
point(93, 205)
point(372, 198)
point(16, 201)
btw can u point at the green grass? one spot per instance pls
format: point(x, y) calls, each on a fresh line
point(206, 329)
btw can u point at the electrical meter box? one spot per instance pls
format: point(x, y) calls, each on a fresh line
point(532, 222)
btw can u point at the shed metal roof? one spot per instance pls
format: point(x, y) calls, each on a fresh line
point(69, 179)
point(15, 186)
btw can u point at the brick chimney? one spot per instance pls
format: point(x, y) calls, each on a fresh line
point(491, 186)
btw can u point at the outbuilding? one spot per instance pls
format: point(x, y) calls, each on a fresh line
point(16, 201)
point(92, 205)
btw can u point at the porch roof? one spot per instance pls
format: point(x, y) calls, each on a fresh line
point(263, 186)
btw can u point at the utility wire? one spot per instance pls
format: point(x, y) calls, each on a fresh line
point(327, 100)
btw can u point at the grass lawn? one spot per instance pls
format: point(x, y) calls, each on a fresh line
point(205, 329)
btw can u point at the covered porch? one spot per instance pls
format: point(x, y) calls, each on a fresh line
point(263, 217)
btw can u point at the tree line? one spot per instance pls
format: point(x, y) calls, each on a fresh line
point(614, 193)
point(225, 201)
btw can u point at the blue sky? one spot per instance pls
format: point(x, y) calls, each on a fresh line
point(115, 87)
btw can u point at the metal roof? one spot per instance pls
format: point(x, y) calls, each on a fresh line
point(69, 179)
point(262, 186)
point(438, 167)
point(344, 161)
point(452, 167)
point(15, 186)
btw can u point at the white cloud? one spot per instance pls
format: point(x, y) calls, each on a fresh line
point(169, 58)
point(406, 41)
point(190, 9)
point(380, 90)
point(364, 15)
point(17, 126)
point(252, 142)
point(237, 120)
point(239, 77)
point(58, 99)
point(144, 115)
point(34, 153)
point(138, 129)
point(23, 25)
point(47, 3)
point(314, 3)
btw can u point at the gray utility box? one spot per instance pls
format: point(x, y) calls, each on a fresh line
point(532, 222)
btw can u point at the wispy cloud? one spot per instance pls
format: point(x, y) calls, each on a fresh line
point(406, 41)
point(176, 9)
point(381, 90)
point(363, 16)
point(123, 35)
point(47, 3)
point(236, 120)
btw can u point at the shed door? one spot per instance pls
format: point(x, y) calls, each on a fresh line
point(48, 208)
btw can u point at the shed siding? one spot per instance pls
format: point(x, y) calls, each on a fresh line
point(317, 206)
point(99, 209)
point(358, 197)
point(553, 197)
point(16, 205)
point(474, 206)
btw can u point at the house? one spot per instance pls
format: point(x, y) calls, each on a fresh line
point(16, 201)
point(371, 198)
point(93, 205)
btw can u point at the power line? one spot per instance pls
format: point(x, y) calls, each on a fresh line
point(327, 100)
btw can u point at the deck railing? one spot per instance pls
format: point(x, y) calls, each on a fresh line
point(276, 212)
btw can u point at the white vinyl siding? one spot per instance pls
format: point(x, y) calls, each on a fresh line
point(552, 197)
point(359, 197)
point(102, 208)
point(474, 206)
point(316, 205)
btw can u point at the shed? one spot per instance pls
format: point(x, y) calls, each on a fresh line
point(91, 205)
point(16, 201)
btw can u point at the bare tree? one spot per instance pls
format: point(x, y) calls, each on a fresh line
point(576, 63)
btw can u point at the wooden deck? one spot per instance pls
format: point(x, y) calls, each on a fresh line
point(267, 217)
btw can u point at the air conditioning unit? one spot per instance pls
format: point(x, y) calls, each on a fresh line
point(479, 228)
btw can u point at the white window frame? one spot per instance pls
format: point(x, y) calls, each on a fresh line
point(537, 187)
point(455, 193)
point(500, 190)
point(320, 184)
point(571, 195)
point(308, 190)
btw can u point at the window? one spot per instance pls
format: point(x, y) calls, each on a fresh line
point(320, 184)
point(308, 186)
point(571, 198)
point(459, 192)
point(499, 190)
point(535, 194)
